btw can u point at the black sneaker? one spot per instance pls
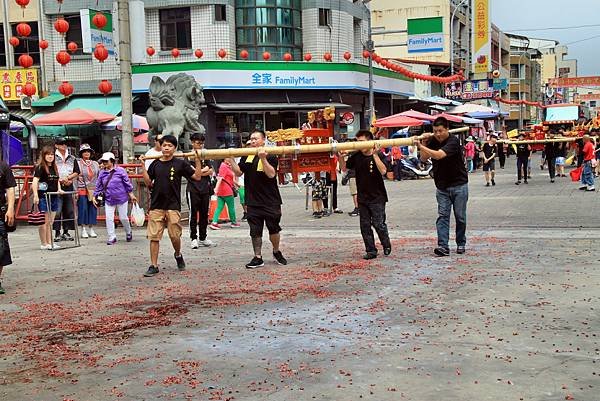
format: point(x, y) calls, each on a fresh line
point(353, 213)
point(152, 271)
point(493, 183)
point(525, 182)
point(57, 237)
point(487, 184)
point(279, 258)
point(254, 263)
point(180, 262)
point(518, 183)
point(387, 251)
point(67, 237)
point(439, 251)
point(244, 217)
point(369, 255)
point(460, 249)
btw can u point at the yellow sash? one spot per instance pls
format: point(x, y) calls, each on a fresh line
point(250, 159)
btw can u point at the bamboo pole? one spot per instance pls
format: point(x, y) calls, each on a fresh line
point(219, 154)
point(537, 141)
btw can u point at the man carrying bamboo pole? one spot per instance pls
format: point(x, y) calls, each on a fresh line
point(372, 195)
point(262, 198)
point(451, 180)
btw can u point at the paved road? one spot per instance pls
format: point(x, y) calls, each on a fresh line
point(516, 318)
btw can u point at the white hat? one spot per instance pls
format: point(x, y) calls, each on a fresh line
point(470, 139)
point(108, 156)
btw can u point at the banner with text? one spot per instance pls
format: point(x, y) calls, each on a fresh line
point(482, 49)
point(470, 90)
point(14, 80)
point(425, 35)
point(574, 82)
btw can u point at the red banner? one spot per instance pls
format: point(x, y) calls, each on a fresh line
point(588, 96)
point(574, 82)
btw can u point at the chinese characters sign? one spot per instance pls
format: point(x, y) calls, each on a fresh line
point(574, 82)
point(469, 90)
point(481, 36)
point(270, 79)
point(14, 80)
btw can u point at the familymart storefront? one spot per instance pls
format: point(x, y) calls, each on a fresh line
point(245, 95)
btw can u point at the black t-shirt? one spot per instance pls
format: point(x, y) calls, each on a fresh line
point(449, 171)
point(523, 151)
point(48, 181)
point(488, 150)
point(369, 182)
point(551, 150)
point(261, 191)
point(7, 180)
point(166, 190)
point(201, 186)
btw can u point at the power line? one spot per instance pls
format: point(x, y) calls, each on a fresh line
point(554, 28)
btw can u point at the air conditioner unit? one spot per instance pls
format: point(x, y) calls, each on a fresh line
point(26, 101)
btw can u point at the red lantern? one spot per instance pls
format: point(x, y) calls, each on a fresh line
point(61, 26)
point(14, 41)
point(99, 20)
point(366, 54)
point(327, 56)
point(347, 56)
point(287, 57)
point(307, 57)
point(43, 44)
point(175, 52)
point(244, 54)
point(29, 89)
point(384, 63)
point(72, 47)
point(25, 60)
point(22, 3)
point(150, 51)
point(222, 53)
point(23, 29)
point(105, 87)
point(377, 59)
point(63, 58)
point(266, 56)
point(65, 89)
point(198, 53)
point(101, 53)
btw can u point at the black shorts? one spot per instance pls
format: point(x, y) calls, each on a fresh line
point(490, 166)
point(258, 217)
point(5, 257)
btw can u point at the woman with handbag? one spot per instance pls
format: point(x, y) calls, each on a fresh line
point(86, 211)
point(226, 192)
point(45, 179)
point(113, 191)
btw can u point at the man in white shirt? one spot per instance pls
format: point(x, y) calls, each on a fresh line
point(155, 151)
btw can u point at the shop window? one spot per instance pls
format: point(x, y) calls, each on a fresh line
point(220, 12)
point(175, 28)
point(27, 45)
point(73, 34)
point(324, 17)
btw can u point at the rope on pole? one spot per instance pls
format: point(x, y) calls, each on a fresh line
point(537, 141)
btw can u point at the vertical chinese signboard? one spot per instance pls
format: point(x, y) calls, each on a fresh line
point(13, 82)
point(481, 36)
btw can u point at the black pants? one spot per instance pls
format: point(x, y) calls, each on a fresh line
point(199, 205)
point(334, 199)
point(502, 159)
point(5, 257)
point(551, 167)
point(373, 215)
point(522, 168)
point(397, 167)
point(65, 212)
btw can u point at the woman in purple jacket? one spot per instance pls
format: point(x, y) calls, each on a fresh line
point(117, 189)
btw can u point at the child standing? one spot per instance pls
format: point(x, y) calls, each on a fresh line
point(318, 193)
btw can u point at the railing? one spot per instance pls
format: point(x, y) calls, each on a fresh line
point(24, 177)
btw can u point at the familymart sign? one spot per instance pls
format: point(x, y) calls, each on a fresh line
point(425, 35)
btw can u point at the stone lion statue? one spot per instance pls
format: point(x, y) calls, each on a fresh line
point(175, 107)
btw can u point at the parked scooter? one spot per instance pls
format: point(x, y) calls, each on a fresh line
point(409, 169)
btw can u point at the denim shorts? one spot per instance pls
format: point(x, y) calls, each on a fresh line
point(43, 206)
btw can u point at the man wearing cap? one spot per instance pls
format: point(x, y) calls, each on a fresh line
point(523, 153)
point(587, 175)
point(451, 180)
point(164, 178)
point(489, 160)
point(68, 170)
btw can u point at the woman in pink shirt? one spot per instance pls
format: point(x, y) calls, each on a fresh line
point(225, 189)
point(470, 153)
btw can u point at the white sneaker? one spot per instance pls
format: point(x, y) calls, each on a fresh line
point(207, 242)
point(54, 246)
point(93, 234)
point(194, 244)
point(45, 247)
point(84, 233)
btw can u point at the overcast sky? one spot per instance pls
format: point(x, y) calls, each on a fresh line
point(525, 17)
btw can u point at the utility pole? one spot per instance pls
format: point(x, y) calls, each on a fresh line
point(9, 51)
point(125, 75)
point(370, 48)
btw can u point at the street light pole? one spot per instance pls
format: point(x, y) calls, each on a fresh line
point(370, 47)
point(452, 36)
point(520, 104)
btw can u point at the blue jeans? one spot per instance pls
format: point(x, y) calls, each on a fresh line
point(587, 175)
point(470, 165)
point(522, 168)
point(452, 197)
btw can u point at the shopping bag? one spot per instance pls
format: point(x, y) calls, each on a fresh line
point(138, 217)
point(576, 174)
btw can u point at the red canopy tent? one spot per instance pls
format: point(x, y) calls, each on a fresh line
point(449, 117)
point(73, 117)
point(397, 120)
point(418, 115)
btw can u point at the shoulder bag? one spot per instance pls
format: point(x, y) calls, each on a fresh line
point(233, 188)
point(101, 197)
point(89, 189)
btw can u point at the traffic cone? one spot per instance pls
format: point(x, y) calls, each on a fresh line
point(213, 206)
